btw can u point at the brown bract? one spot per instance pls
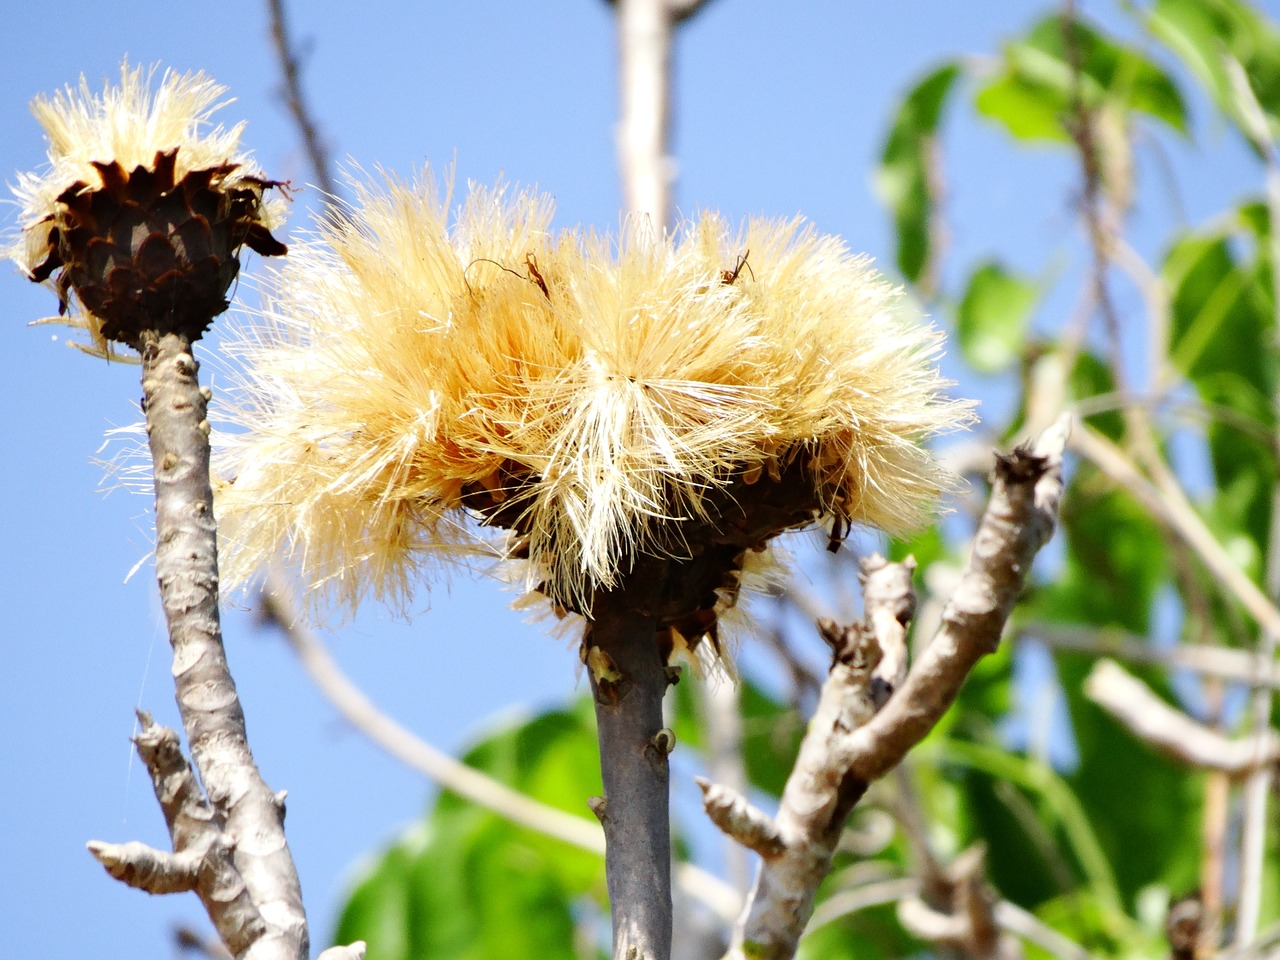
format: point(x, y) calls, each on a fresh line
point(696, 567)
point(148, 251)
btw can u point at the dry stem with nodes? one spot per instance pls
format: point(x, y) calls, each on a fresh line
point(138, 223)
point(872, 709)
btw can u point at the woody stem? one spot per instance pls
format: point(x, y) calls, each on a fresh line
point(633, 765)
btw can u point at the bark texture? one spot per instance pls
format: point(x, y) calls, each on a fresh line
point(187, 569)
point(872, 710)
point(629, 679)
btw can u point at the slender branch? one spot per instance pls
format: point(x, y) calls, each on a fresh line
point(1009, 916)
point(629, 679)
point(682, 10)
point(1097, 208)
point(849, 743)
point(187, 570)
point(1178, 515)
point(644, 43)
point(967, 921)
point(1019, 520)
point(1171, 731)
point(845, 902)
point(1236, 666)
point(279, 607)
point(1253, 840)
point(312, 142)
point(1031, 928)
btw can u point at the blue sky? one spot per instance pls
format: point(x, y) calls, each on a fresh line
point(779, 109)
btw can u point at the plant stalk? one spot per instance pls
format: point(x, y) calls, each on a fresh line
point(187, 570)
point(629, 680)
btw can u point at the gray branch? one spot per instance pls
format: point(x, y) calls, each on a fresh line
point(852, 740)
point(1172, 732)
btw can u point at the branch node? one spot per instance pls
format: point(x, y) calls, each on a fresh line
point(738, 818)
point(145, 868)
point(600, 807)
point(663, 742)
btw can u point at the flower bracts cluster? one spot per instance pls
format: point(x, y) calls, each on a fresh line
point(143, 208)
point(608, 403)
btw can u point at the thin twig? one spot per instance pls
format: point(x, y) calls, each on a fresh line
point(1171, 731)
point(1236, 666)
point(312, 142)
point(1019, 521)
point(1178, 515)
point(964, 918)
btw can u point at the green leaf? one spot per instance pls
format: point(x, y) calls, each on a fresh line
point(1204, 32)
point(905, 179)
point(1093, 377)
point(468, 884)
point(1116, 559)
point(1221, 338)
point(1034, 94)
point(992, 320)
point(1146, 842)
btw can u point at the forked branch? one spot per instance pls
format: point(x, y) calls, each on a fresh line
point(868, 716)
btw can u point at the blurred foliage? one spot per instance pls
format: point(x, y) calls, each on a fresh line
point(1096, 848)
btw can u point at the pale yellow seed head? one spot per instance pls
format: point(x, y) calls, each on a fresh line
point(602, 398)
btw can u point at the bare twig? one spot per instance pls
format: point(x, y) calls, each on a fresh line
point(845, 902)
point(189, 940)
point(1172, 732)
point(734, 814)
point(291, 71)
point(1031, 928)
point(965, 918)
point(202, 859)
point(1019, 520)
point(1009, 916)
point(1223, 663)
point(849, 744)
point(1178, 515)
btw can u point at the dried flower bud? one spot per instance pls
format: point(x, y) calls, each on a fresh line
point(143, 211)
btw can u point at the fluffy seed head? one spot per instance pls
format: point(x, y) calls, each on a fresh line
point(609, 404)
point(143, 206)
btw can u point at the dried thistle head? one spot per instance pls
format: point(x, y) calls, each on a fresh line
point(654, 406)
point(143, 208)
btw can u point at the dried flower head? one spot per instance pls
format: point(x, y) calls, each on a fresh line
point(656, 405)
point(143, 208)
